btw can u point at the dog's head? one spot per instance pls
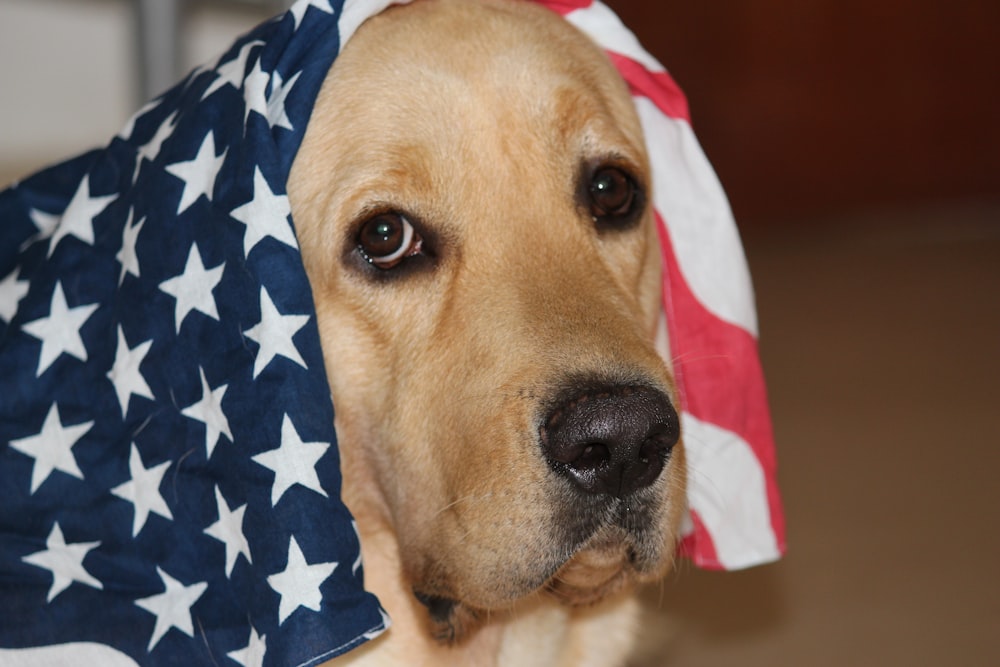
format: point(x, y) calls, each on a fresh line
point(472, 199)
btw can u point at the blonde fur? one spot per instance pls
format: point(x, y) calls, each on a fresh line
point(476, 118)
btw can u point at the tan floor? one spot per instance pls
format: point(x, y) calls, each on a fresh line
point(881, 343)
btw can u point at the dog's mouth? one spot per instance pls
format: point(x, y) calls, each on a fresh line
point(590, 576)
point(606, 565)
point(608, 555)
point(596, 515)
point(625, 546)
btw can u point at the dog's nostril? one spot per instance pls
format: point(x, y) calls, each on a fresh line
point(593, 456)
point(657, 446)
point(647, 452)
point(611, 440)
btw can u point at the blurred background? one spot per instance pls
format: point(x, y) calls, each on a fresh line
point(859, 142)
point(73, 71)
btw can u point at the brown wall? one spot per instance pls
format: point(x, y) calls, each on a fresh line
point(811, 107)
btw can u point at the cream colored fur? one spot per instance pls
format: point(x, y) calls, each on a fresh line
point(478, 119)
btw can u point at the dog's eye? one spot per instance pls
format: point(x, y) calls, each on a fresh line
point(612, 195)
point(387, 239)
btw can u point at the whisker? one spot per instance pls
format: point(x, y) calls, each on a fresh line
point(457, 501)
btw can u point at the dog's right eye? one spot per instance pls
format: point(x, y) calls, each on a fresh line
point(613, 197)
point(387, 239)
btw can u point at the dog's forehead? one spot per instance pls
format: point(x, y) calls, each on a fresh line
point(464, 111)
point(446, 68)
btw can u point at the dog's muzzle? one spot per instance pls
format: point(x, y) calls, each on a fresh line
point(611, 440)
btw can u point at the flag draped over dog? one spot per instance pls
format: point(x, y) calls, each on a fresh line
point(169, 474)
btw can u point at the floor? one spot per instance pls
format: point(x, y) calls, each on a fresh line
point(881, 343)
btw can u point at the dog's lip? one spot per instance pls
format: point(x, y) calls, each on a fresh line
point(610, 560)
point(593, 574)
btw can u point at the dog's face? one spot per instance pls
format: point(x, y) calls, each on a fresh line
point(472, 200)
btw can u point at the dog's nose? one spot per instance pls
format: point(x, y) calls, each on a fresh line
point(613, 440)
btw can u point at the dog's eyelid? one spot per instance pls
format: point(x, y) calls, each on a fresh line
point(626, 160)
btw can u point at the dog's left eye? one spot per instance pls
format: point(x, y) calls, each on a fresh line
point(613, 196)
point(387, 239)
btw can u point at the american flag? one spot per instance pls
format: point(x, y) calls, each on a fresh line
point(169, 475)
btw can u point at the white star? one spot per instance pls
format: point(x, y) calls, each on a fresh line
point(298, 10)
point(265, 215)
point(125, 374)
point(232, 72)
point(254, 87)
point(276, 115)
point(78, 219)
point(64, 561)
point(143, 490)
point(274, 334)
point(193, 75)
point(208, 410)
point(12, 290)
point(126, 132)
point(294, 462)
point(52, 448)
point(229, 530)
point(253, 654)
point(126, 256)
point(298, 586)
point(60, 331)
point(172, 607)
point(46, 222)
point(151, 149)
point(193, 288)
point(198, 174)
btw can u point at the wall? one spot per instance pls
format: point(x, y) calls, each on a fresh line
point(68, 72)
point(805, 107)
point(809, 107)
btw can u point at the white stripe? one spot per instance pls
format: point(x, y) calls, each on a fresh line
point(604, 27)
point(728, 490)
point(356, 12)
point(689, 197)
point(71, 655)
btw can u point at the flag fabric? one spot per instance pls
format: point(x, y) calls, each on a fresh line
point(169, 473)
point(168, 467)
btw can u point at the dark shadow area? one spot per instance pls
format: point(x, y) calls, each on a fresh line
point(830, 106)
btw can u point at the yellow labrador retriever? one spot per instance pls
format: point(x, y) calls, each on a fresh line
point(472, 199)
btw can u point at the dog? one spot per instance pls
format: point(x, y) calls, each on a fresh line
point(477, 228)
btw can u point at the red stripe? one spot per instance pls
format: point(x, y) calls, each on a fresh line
point(699, 547)
point(564, 7)
point(718, 370)
point(659, 87)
